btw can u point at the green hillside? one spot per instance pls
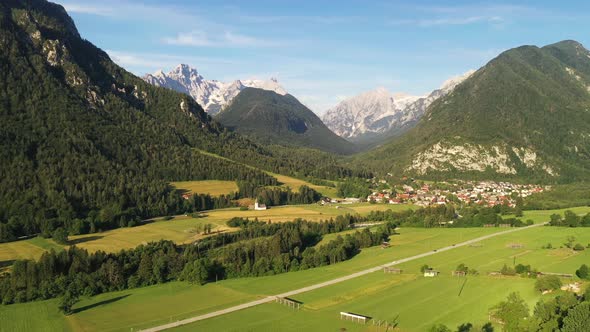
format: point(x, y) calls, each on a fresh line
point(270, 118)
point(85, 145)
point(525, 114)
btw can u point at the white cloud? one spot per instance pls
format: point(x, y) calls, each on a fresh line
point(227, 39)
point(142, 63)
point(88, 9)
point(449, 21)
point(131, 10)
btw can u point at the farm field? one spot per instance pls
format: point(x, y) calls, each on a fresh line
point(163, 299)
point(26, 249)
point(426, 301)
point(287, 181)
point(211, 187)
point(181, 229)
point(377, 294)
point(40, 316)
point(368, 295)
point(539, 216)
point(295, 183)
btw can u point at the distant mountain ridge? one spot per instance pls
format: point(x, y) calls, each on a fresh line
point(271, 118)
point(379, 114)
point(212, 95)
point(525, 114)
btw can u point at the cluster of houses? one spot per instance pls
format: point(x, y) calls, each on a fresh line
point(487, 193)
point(343, 201)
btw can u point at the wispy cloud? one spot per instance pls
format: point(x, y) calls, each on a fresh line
point(319, 20)
point(496, 15)
point(140, 62)
point(131, 10)
point(227, 39)
point(88, 9)
point(432, 22)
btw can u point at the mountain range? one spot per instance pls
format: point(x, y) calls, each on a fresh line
point(87, 146)
point(212, 95)
point(271, 118)
point(374, 116)
point(525, 114)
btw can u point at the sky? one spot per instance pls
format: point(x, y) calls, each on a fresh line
point(324, 51)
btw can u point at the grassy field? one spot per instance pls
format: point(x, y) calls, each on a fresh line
point(154, 305)
point(415, 302)
point(425, 301)
point(294, 184)
point(35, 316)
point(211, 187)
point(181, 229)
point(539, 216)
point(286, 181)
point(27, 249)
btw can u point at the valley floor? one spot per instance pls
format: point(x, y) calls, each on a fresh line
point(409, 299)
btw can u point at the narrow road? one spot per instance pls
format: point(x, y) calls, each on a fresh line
point(331, 282)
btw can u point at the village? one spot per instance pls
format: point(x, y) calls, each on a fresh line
point(488, 193)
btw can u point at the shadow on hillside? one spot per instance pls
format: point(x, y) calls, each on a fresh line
point(97, 304)
point(85, 239)
point(7, 263)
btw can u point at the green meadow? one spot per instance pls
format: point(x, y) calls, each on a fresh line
point(409, 299)
point(413, 301)
point(149, 306)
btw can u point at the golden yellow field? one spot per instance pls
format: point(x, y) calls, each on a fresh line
point(294, 184)
point(182, 229)
point(211, 187)
point(26, 249)
point(291, 182)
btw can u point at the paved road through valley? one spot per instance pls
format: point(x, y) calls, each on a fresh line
point(330, 282)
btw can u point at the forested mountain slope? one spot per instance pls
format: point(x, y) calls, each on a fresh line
point(271, 118)
point(86, 145)
point(525, 114)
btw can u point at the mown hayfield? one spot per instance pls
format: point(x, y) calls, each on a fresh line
point(539, 216)
point(379, 295)
point(211, 187)
point(35, 316)
point(415, 302)
point(181, 229)
point(180, 300)
point(295, 183)
point(286, 181)
point(149, 306)
point(26, 249)
point(496, 252)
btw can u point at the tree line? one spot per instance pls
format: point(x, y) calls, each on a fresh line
point(258, 248)
point(446, 216)
point(273, 196)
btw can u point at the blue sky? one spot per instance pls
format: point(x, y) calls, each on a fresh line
point(324, 51)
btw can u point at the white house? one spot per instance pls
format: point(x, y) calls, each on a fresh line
point(259, 207)
point(430, 273)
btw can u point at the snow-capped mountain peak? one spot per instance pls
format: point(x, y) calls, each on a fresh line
point(379, 111)
point(452, 82)
point(212, 95)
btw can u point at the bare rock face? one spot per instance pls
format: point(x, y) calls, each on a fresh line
point(446, 156)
